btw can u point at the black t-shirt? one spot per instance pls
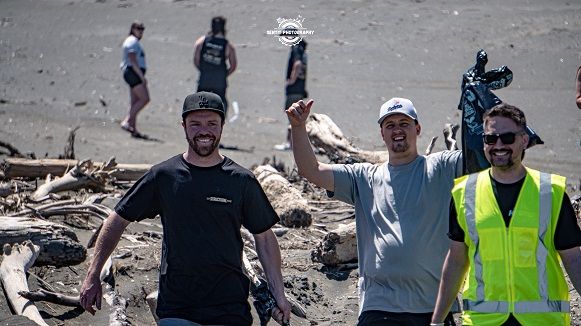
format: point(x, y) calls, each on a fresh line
point(213, 70)
point(202, 210)
point(567, 232)
point(297, 52)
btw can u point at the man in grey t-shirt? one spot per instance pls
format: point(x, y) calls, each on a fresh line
point(401, 212)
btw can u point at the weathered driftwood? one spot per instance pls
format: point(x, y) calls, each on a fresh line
point(325, 134)
point(117, 303)
point(431, 145)
point(5, 189)
point(151, 300)
point(450, 135)
point(20, 167)
point(69, 152)
point(75, 179)
point(286, 200)
point(52, 297)
point(337, 247)
point(16, 261)
point(12, 151)
point(59, 245)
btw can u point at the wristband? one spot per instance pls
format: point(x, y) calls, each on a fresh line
point(436, 324)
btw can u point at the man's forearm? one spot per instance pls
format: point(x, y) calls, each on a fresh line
point(108, 239)
point(270, 259)
point(453, 271)
point(571, 259)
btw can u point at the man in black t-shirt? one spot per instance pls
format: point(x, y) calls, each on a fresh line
point(211, 53)
point(510, 226)
point(203, 199)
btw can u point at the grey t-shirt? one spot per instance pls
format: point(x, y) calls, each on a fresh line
point(401, 215)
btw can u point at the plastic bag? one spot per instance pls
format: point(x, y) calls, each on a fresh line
point(475, 100)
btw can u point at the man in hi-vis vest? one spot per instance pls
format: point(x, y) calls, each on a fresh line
point(510, 227)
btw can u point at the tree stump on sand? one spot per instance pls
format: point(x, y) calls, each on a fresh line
point(337, 247)
point(286, 200)
point(59, 245)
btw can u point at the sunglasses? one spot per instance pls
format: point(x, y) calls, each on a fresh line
point(506, 138)
point(140, 28)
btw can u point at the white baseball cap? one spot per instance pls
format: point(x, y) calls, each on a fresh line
point(397, 105)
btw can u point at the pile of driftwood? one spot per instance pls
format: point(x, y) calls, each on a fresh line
point(76, 189)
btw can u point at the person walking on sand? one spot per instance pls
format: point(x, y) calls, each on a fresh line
point(211, 52)
point(296, 83)
point(203, 199)
point(510, 227)
point(401, 214)
point(134, 67)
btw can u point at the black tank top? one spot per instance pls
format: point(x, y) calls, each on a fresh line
point(213, 69)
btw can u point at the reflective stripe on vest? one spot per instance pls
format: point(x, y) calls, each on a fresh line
point(543, 305)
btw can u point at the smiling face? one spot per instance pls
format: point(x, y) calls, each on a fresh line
point(500, 155)
point(203, 130)
point(399, 133)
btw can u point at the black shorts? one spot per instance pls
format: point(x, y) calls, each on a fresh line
point(131, 77)
point(292, 98)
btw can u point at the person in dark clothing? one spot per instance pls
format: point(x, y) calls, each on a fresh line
point(215, 58)
point(296, 83)
point(203, 199)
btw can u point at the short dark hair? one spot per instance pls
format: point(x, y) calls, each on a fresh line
point(218, 25)
point(507, 111)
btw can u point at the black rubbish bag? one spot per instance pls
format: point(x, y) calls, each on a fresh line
point(264, 302)
point(477, 98)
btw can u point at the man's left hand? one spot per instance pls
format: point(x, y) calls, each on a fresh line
point(281, 313)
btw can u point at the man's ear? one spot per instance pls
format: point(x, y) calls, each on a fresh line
point(381, 130)
point(525, 139)
point(418, 129)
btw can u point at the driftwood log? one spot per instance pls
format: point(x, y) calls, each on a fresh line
point(59, 245)
point(20, 167)
point(337, 247)
point(326, 135)
point(286, 200)
point(75, 179)
point(117, 303)
point(16, 261)
point(69, 152)
point(52, 297)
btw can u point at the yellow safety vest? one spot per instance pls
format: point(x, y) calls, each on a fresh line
point(511, 271)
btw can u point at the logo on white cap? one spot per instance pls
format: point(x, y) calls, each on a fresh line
point(397, 105)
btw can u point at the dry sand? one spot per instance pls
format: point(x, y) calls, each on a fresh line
point(60, 58)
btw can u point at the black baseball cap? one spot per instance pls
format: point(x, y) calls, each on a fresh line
point(203, 101)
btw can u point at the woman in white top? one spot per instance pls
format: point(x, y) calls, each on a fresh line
point(133, 66)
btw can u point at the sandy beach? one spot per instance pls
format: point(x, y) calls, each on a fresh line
point(59, 69)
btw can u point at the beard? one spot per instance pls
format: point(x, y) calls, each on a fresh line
point(504, 162)
point(203, 150)
point(400, 146)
